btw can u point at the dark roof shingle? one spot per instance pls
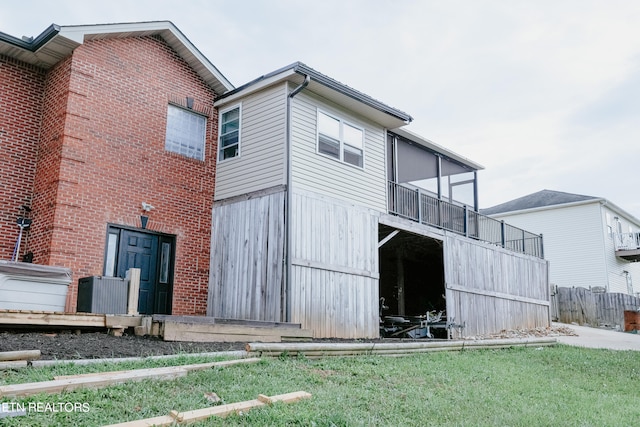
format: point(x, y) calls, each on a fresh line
point(536, 200)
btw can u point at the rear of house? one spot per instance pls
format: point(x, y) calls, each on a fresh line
point(318, 219)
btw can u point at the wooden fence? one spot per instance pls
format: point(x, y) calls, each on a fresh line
point(581, 306)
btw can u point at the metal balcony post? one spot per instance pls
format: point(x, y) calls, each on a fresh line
point(524, 242)
point(502, 236)
point(419, 206)
point(466, 221)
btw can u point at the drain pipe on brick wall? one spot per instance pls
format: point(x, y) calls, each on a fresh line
point(288, 204)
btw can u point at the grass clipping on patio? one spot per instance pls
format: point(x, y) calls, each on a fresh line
point(557, 385)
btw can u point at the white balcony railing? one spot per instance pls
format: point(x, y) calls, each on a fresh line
point(627, 241)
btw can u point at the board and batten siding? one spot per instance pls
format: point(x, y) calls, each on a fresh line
point(247, 256)
point(334, 281)
point(315, 172)
point(573, 239)
point(261, 163)
point(490, 289)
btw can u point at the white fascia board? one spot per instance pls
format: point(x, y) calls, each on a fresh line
point(604, 202)
point(617, 209)
point(79, 33)
point(547, 208)
point(260, 85)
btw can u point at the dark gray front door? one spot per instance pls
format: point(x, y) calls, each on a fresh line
point(140, 250)
point(153, 255)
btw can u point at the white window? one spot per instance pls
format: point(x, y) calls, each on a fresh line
point(340, 140)
point(186, 132)
point(229, 140)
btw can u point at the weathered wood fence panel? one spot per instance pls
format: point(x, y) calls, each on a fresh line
point(490, 289)
point(334, 282)
point(580, 305)
point(247, 255)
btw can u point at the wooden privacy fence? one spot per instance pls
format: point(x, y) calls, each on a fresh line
point(581, 306)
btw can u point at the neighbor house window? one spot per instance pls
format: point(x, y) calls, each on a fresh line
point(185, 132)
point(229, 141)
point(340, 140)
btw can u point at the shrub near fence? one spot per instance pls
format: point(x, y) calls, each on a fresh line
point(581, 306)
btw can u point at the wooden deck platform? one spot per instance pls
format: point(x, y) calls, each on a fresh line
point(170, 328)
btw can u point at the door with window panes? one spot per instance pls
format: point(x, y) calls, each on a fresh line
point(152, 253)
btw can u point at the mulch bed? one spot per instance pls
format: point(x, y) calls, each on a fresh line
point(98, 345)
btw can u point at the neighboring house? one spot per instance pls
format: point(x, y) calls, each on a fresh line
point(324, 205)
point(108, 134)
point(589, 241)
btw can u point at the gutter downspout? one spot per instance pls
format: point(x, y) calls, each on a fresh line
point(288, 206)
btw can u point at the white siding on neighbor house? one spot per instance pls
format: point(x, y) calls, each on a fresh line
point(616, 266)
point(315, 172)
point(573, 240)
point(261, 163)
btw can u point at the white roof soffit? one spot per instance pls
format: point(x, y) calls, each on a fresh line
point(324, 87)
point(62, 40)
point(414, 137)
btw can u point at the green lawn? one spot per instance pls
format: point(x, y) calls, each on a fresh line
point(550, 386)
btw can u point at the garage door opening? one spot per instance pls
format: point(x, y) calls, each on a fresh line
point(412, 291)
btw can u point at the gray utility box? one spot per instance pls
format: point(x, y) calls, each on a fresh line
point(106, 295)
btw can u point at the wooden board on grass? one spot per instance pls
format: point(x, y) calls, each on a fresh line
point(215, 333)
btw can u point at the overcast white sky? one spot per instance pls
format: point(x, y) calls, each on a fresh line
point(545, 94)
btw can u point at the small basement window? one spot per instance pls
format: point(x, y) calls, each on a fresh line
point(340, 140)
point(229, 139)
point(186, 132)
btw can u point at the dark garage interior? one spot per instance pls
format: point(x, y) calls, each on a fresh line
point(412, 292)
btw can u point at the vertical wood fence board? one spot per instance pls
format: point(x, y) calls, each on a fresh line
point(247, 254)
point(580, 305)
point(494, 289)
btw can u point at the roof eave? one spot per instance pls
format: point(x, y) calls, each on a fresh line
point(58, 42)
point(548, 207)
point(437, 147)
point(326, 87)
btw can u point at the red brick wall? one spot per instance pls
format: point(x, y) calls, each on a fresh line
point(21, 88)
point(103, 153)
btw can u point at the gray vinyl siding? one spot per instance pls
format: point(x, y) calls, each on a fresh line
point(261, 163)
point(315, 172)
point(573, 243)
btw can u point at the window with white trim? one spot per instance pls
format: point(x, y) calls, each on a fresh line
point(186, 132)
point(229, 139)
point(340, 140)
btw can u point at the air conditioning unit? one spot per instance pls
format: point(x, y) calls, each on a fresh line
point(105, 295)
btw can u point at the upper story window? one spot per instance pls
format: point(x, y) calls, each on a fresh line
point(229, 140)
point(186, 132)
point(340, 140)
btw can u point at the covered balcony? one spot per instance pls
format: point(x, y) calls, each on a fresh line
point(627, 246)
point(433, 186)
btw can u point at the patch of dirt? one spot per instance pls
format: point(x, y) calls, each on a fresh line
point(98, 345)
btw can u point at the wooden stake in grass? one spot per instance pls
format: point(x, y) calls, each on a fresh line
point(104, 379)
point(19, 355)
point(187, 417)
